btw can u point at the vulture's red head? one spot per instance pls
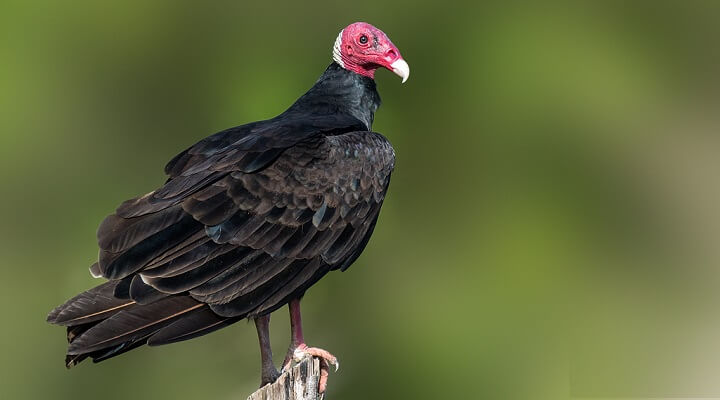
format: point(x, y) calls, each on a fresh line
point(363, 48)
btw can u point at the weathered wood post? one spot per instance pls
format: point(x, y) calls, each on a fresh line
point(300, 383)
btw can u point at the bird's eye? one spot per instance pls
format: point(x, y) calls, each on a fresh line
point(363, 39)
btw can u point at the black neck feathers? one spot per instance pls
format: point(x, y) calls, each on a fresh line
point(339, 91)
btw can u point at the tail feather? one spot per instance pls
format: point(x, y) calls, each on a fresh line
point(93, 305)
point(101, 325)
point(72, 333)
point(133, 324)
point(198, 323)
point(72, 360)
point(104, 354)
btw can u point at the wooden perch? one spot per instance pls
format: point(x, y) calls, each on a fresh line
point(300, 383)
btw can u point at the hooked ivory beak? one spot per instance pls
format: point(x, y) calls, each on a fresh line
point(401, 69)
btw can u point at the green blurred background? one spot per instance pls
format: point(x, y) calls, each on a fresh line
point(551, 230)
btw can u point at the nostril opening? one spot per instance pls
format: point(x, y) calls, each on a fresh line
point(391, 54)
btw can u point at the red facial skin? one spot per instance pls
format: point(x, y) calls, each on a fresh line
point(365, 58)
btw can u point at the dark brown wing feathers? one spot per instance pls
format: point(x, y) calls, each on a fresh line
point(232, 234)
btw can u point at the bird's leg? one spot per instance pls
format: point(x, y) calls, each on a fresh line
point(269, 372)
point(298, 349)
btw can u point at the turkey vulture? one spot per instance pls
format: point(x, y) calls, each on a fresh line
point(248, 219)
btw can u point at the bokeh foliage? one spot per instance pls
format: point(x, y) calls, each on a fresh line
point(551, 229)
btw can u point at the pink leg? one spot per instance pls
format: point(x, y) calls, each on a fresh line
point(298, 349)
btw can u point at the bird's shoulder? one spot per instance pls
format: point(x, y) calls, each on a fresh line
point(253, 146)
point(352, 150)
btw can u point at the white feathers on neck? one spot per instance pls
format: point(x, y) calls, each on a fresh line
point(336, 50)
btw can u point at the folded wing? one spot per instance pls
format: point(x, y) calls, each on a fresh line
point(234, 233)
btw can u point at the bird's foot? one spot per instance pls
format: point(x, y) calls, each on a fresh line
point(326, 359)
point(303, 350)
